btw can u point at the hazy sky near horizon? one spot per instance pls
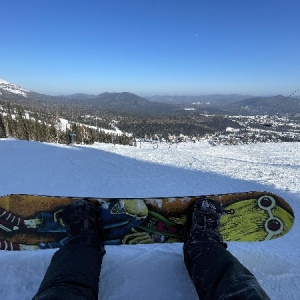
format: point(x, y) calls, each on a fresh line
point(151, 47)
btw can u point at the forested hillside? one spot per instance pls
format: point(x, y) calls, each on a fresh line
point(38, 126)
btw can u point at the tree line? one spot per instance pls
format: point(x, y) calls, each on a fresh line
point(33, 126)
point(191, 125)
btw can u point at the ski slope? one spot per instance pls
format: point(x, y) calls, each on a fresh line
point(153, 271)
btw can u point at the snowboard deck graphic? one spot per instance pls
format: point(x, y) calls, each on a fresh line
point(30, 222)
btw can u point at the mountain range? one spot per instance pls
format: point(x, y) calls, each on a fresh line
point(126, 103)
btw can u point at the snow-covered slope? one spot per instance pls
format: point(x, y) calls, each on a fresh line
point(154, 271)
point(12, 88)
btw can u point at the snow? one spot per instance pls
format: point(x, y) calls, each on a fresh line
point(64, 124)
point(3, 81)
point(12, 88)
point(153, 271)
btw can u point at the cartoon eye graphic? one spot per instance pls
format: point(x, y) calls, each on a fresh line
point(274, 225)
point(266, 202)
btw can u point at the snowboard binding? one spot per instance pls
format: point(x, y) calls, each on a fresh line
point(203, 221)
point(83, 225)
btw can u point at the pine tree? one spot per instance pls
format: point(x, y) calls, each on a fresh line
point(9, 121)
point(35, 128)
point(2, 128)
point(43, 136)
point(52, 134)
point(22, 131)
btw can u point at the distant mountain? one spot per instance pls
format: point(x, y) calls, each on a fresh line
point(265, 105)
point(113, 103)
point(129, 104)
point(234, 104)
point(216, 99)
point(124, 103)
point(7, 88)
point(79, 96)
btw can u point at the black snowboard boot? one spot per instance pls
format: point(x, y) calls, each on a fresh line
point(203, 222)
point(83, 224)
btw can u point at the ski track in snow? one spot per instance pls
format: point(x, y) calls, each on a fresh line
point(258, 162)
point(154, 271)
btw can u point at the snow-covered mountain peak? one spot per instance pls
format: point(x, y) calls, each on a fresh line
point(12, 88)
point(3, 81)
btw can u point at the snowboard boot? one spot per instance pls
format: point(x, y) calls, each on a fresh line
point(83, 224)
point(203, 221)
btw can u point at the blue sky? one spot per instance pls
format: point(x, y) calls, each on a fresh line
point(151, 47)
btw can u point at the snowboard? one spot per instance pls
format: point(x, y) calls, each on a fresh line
point(31, 222)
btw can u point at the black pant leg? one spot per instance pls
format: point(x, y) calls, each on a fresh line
point(72, 274)
point(217, 274)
